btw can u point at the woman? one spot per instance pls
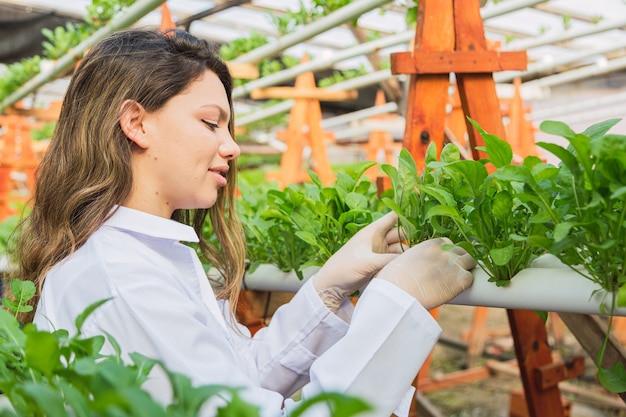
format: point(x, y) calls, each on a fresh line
point(143, 151)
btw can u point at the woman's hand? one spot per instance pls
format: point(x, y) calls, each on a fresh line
point(358, 260)
point(432, 275)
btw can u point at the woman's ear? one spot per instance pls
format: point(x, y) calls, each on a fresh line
point(131, 122)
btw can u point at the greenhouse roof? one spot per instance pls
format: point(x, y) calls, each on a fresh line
point(567, 41)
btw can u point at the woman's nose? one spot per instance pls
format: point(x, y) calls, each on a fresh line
point(229, 149)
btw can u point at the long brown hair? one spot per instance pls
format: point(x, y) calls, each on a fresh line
point(86, 170)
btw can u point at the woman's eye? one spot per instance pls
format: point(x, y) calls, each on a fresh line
point(210, 125)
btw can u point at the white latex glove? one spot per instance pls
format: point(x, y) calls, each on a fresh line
point(432, 275)
point(358, 260)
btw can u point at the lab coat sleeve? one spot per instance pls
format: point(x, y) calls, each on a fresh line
point(299, 332)
point(389, 338)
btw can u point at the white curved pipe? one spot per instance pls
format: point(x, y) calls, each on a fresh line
point(546, 286)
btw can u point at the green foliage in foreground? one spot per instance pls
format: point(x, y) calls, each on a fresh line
point(55, 374)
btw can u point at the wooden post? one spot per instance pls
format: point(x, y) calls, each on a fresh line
point(425, 123)
point(532, 351)
point(167, 22)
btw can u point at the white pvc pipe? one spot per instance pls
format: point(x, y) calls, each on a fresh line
point(541, 289)
point(564, 35)
point(334, 19)
point(332, 122)
point(538, 68)
point(286, 105)
point(323, 63)
point(577, 74)
point(547, 286)
point(505, 7)
point(573, 108)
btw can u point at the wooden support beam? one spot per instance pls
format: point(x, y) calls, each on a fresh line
point(590, 332)
point(313, 93)
point(548, 376)
point(608, 400)
point(444, 62)
point(452, 379)
point(242, 70)
point(50, 114)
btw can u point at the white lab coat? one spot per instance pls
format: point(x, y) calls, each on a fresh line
point(163, 306)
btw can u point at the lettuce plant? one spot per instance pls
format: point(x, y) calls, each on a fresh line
point(304, 224)
point(591, 228)
point(490, 207)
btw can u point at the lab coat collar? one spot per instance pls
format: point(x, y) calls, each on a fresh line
point(150, 225)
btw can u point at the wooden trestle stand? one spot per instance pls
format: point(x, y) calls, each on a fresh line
point(450, 39)
point(304, 128)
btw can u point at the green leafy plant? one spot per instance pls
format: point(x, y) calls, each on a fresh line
point(17, 74)
point(62, 39)
point(267, 66)
point(304, 224)
point(44, 132)
point(491, 215)
point(342, 75)
point(590, 231)
point(57, 374)
point(7, 228)
point(412, 195)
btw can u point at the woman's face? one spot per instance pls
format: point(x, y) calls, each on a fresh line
point(187, 148)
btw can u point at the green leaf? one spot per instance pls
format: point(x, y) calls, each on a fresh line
point(42, 352)
point(10, 328)
point(614, 378)
point(502, 205)
point(356, 201)
point(83, 316)
point(556, 128)
point(236, 407)
point(502, 256)
point(308, 237)
point(499, 151)
point(600, 129)
point(341, 405)
point(431, 153)
point(45, 397)
point(561, 230)
point(566, 157)
point(449, 153)
point(543, 314)
point(441, 195)
point(621, 296)
point(22, 292)
point(144, 365)
point(76, 400)
point(87, 347)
